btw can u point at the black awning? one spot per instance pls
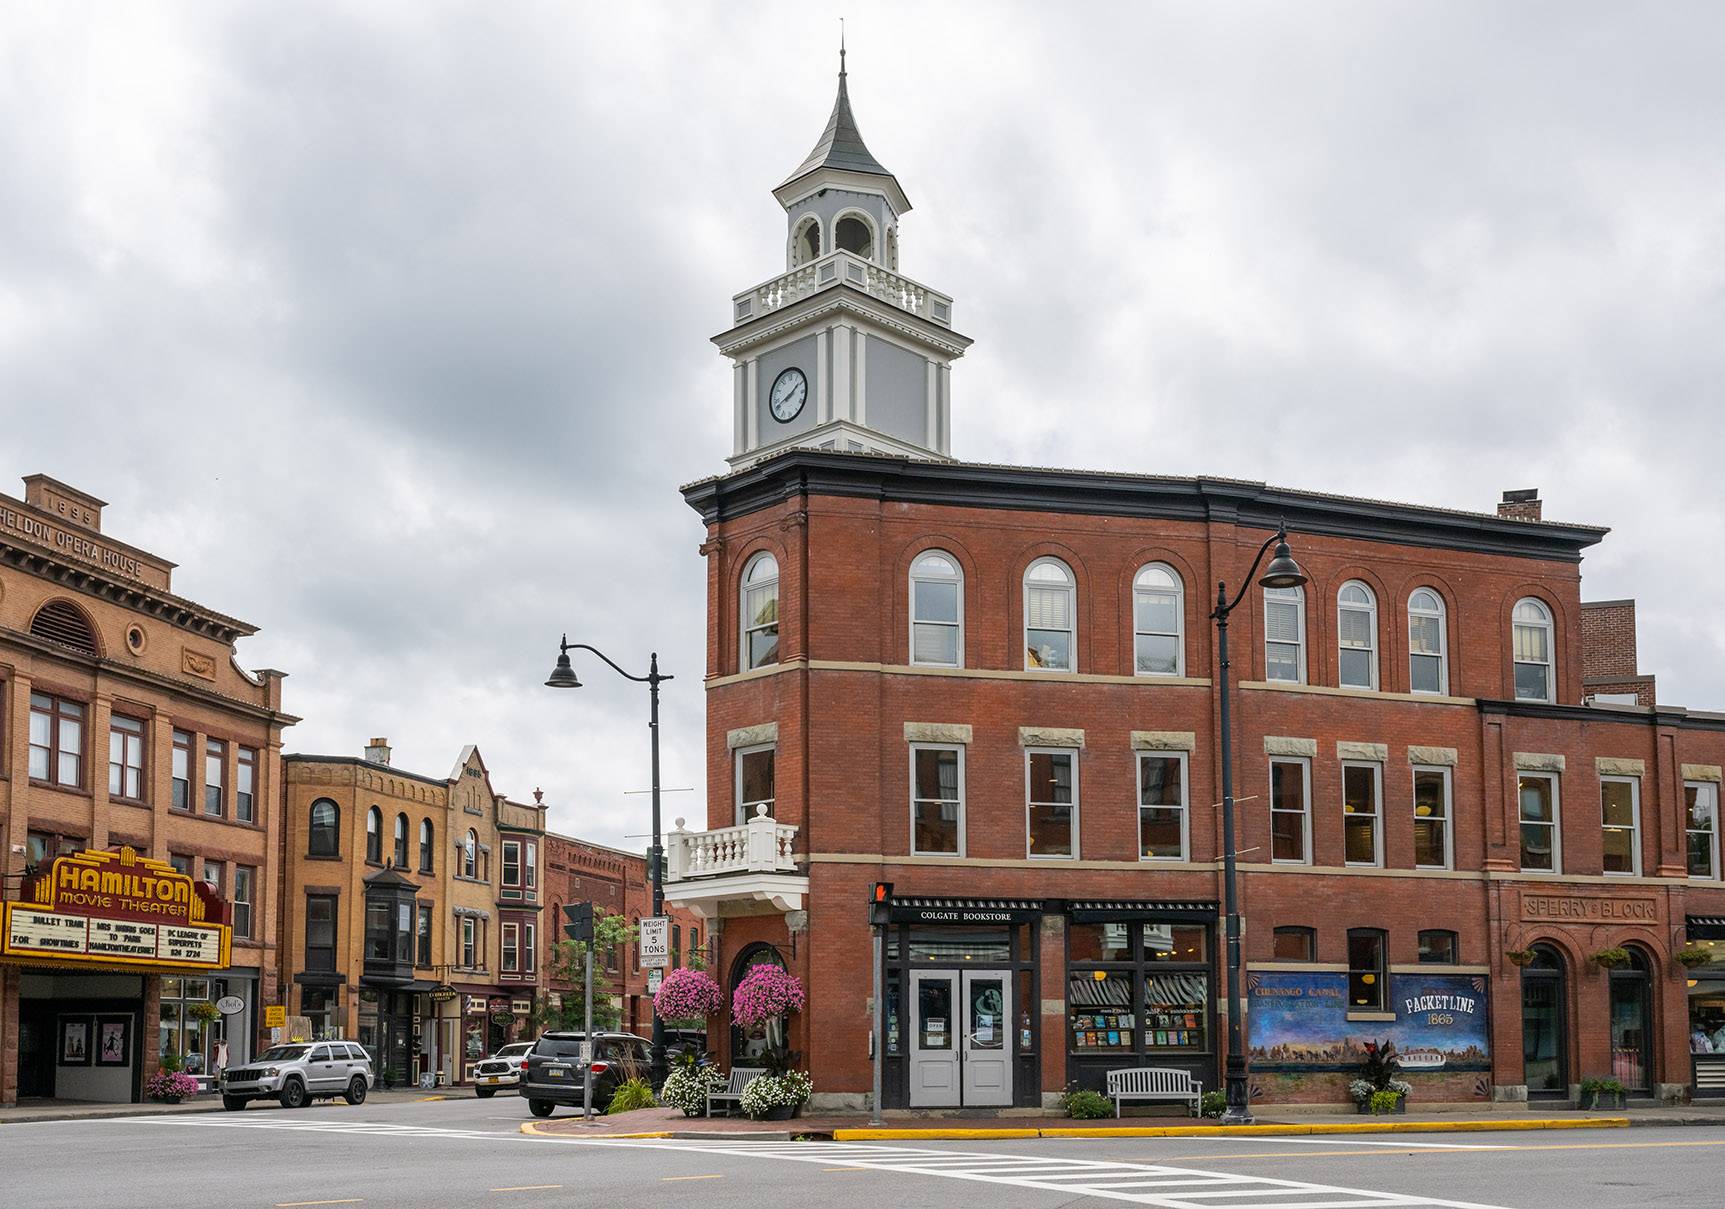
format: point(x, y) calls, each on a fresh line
point(1707, 927)
point(1093, 911)
point(320, 978)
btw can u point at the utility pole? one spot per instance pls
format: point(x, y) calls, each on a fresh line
point(587, 1039)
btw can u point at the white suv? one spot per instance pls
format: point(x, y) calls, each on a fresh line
point(297, 1074)
point(502, 1069)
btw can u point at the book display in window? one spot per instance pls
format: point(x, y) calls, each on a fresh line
point(1176, 1011)
point(1099, 1013)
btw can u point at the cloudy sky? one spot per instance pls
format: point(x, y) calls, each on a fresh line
point(388, 321)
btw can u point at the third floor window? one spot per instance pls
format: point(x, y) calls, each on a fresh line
point(1050, 610)
point(760, 612)
point(1158, 622)
point(1285, 635)
point(936, 610)
point(1532, 642)
point(1428, 670)
point(1357, 636)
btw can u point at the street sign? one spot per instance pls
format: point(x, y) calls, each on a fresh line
point(275, 1015)
point(654, 978)
point(655, 943)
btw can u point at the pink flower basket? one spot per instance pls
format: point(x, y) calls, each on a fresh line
point(764, 993)
point(688, 995)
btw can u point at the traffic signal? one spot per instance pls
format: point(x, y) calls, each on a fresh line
point(578, 922)
point(883, 892)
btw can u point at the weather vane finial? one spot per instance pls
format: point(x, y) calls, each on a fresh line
point(841, 46)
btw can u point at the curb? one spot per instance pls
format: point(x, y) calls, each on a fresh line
point(1234, 1131)
point(126, 1110)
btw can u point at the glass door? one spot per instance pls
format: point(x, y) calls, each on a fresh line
point(987, 1053)
point(1544, 1043)
point(934, 1052)
point(1631, 1034)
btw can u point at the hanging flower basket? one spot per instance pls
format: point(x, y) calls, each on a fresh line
point(1611, 959)
point(1693, 956)
point(764, 993)
point(204, 1011)
point(688, 995)
point(1520, 957)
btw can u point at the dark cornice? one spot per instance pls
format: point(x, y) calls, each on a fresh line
point(1674, 716)
point(1098, 493)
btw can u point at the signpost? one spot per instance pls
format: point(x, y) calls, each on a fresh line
point(655, 943)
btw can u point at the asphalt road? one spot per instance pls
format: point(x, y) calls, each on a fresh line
point(471, 1153)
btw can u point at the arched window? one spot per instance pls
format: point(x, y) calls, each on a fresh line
point(62, 622)
point(401, 841)
point(757, 1039)
point(425, 848)
point(853, 233)
point(1632, 1023)
point(1285, 634)
point(1544, 1032)
point(1532, 643)
point(760, 611)
point(325, 829)
point(1357, 635)
point(936, 610)
point(1158, 622)
point(1428, 639)
point(806, 244)
point(470, 854)
point(1050, 609)
point(374, 836)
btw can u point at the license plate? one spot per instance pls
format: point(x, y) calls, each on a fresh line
point(556, 1072)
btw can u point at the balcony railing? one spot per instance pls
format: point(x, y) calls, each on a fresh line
point(844, 268)
point(761, 845)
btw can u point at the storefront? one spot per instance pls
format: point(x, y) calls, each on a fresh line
point(1706, 985)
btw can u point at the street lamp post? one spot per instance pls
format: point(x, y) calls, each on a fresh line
point(563, 676)
point(1283, 572)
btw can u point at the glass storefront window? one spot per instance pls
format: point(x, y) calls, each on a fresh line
point(1099, 942)
point(1175, 942)
point(1099, 1013)
point(945, 946)
point(1176, 1010)
point(180, 1033)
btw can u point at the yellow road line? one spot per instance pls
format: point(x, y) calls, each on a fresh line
point(295, 1204)
point(1392, 1152)
point(673, 1179)
point(528, 1188)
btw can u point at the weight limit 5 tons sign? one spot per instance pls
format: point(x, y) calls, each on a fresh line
point(655, 943)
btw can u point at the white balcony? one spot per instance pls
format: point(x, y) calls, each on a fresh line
point(843, 268)
point(729, 870)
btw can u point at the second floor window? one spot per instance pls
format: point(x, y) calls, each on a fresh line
point(245, 886)
point(1051, 802)
point(754, 781)
point(425, 848)
point(1431, 818)
point(422, 935)
point(470, 854)
point(1162, 806)
point(1285, 635)
point(1290, 816)
point(529, 947)
point(1537, 797)
point(1357, 636)
point(1428, 670)
point(1158, 622)
point(245, 785)
point(56, 741)
point(1050, 609)
point(936, 610)
point(215, 876)
point(1294, 944)
point(374, 836)
point(1532, 642)
point(400, 854)
point(1438, 947)
point(1701, 812)
point(512, 867)
point(1362, 838)
point(469, 942)
point(320, 931)
point(324, 838)
point(761, 612)
point(1366, 981)
point(182, 799)
point(937, 801)
point(511, 933)
point(215, 778)
point(125, 758)
point(1620, 811)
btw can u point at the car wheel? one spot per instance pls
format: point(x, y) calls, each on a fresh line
point(233, 1103)
point(355, 1093)
point(539, 1108)
point(293, 1094)
point(485, 1093)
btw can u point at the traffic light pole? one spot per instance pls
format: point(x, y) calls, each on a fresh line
point(587, 1040)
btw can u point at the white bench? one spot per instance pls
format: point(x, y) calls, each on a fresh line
point(1152, 1083)
point(733, 1092)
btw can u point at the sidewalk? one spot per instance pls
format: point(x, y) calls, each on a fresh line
point(84, 1110)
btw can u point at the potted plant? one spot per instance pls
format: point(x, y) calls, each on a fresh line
point(693, 1075)
point(764, 993)
point(780, 1093)
point(1520, 957)
point(1612, 958)
point(170, 1086)
point(1378, 1074)
point(688, 996)
point(1691, 956)
point(1601, 1092)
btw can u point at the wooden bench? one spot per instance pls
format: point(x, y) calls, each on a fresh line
point(733, 1092)
point(1154, 1083)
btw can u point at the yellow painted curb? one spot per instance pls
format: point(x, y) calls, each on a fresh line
point(533, 1130)
point(1235, 1131)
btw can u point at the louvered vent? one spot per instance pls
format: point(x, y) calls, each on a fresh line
point(62, 622)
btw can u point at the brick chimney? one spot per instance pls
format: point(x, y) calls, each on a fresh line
point(1522, 505)
point(377, 751)
point(1609, 671)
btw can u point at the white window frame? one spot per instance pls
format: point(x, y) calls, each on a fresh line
point(1305, 766)
point(530, 866)
point(529, 947)
point(1183, 806)
point(1705, 793)
point(952, 747)
point(746, 810)
point(1071, 612)
point(249, 875)
point(1551, 779)
point(506, 881)
point(1377, 816)
point(957, 579)
point(470, 855)
point(1178, 591)
point(469, 943)
point(1546, 623)
point(1296, 597)
point(509, 959)
point(744, 628)
point(1442, 653)
point(1072, 753)
point(1634, 827)
point(1444, 772)
point(1370, 609)
point(127, 771)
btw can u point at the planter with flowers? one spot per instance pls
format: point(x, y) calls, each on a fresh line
point(170, 1087)
point(1612, 958)
point(767, 993)
point(1693, 956)
point(1378, 1090)
point(1520, 957)
point(688, 997)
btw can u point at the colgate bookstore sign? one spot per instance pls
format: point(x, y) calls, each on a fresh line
point(117, 908)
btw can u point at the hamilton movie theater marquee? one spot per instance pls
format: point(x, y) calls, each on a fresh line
point(116, 908)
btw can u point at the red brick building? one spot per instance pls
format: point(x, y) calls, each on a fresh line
point(996, 689)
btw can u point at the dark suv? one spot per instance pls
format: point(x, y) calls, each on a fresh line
point(556, 1070)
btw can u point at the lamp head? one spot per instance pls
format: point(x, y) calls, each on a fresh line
point(563, 675)
point(1283, 571)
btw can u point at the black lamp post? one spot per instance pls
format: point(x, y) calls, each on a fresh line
point(1283, 572)
point(563, 676)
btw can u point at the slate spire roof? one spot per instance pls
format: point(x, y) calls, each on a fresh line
point(841, 144)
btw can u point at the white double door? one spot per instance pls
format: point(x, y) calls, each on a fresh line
point(961, 1047)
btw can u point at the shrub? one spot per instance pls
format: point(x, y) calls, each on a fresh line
point(1082, 1104)
point(688, 995)
point(1215, 1103)
point(687, 1085)
point(630, 1095)
point(1595, 1085)
point(1381, 1065)
point(764, 993)
point(171, 1063)
point(767, 1092)
point(170, 1087)
point(1385, 1101)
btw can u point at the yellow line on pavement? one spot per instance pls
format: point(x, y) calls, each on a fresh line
point(672, 1179)
point(1393, 1152)
point(295, 1204)
point(528, 1188)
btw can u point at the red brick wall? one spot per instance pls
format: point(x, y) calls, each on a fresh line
point(1608, 640)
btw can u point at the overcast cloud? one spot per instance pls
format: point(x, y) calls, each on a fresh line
point(388, 321)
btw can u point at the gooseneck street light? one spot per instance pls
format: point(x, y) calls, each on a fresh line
point(563, 676)
point(1283, 572)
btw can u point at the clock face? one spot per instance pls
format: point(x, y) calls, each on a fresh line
point(790, 391)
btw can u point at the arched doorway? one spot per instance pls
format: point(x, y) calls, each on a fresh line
point(749, 1043)
point(1632, 1024)
point(1544, 1025)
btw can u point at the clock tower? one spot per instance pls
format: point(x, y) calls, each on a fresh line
point(841, 350)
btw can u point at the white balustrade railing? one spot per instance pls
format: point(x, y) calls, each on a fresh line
point(761, 845)
point(844, 268)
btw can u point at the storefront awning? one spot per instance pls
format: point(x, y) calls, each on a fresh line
point(1091, 911)
point(1707, 927)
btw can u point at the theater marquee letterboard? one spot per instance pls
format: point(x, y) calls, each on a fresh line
point(116, 908)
